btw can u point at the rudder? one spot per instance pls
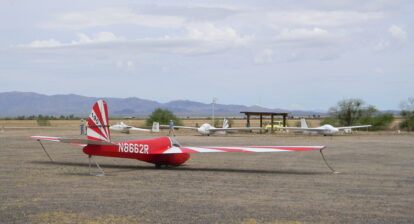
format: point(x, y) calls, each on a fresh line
point(225, 123)
point(303, 123)
point(98, 123)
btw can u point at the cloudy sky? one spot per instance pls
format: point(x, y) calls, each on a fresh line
point(277, 53)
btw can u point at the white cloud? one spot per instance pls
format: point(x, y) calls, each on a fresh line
point(200, 38)
point(303, 34)
point(100, 37)
point(204, 38)
point(398, 33)
point(321, 18)
point(97, 38)
point(111, 16)
point(44, 43)
point(398, 37)
point(211, 33)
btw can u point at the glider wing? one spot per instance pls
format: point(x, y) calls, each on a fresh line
point(300, 129)
point(174, 150)
point(351, 127)
point(178, 127)
point(235, 129)
point(72, 141)
point(139, 129)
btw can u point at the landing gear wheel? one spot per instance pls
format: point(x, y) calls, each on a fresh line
point(158, 166)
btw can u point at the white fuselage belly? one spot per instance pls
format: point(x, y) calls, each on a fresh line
point(206, 129)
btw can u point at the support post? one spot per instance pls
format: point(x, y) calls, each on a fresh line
point(261, 123)
point(271, 124)
point(102, 172)
point(326, 162)
point(45, 150)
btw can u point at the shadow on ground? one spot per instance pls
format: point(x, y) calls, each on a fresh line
point(184, 168)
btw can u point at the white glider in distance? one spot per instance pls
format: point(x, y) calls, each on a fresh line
point(208, 129)
point(124, 128)
point(325, 130)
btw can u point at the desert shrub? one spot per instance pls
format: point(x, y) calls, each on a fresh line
point(407, 113)
point(378, 122)
point(407, 124)
point(42, 121)
point(218, 122)
point(163, 116)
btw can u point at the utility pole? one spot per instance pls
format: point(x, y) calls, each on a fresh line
point(213, 104)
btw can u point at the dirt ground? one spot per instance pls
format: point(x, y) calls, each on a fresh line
point(376, 183)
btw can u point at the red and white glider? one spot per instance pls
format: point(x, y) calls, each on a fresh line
point(159, 151)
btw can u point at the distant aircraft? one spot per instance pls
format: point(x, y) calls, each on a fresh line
point(124, 128)
point(208, 129)
point(162, 151)
point(325, 130)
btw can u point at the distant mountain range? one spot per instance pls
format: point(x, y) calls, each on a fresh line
point(14, 104)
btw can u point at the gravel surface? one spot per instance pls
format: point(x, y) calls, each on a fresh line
point(376, 183)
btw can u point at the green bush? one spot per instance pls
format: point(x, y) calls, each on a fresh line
point(42, 121)
point(378, 122)
point(407, 124)
point(163, 116)
point(407, 113)
point(330, 120)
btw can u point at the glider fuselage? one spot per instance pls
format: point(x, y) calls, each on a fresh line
point(145, 150)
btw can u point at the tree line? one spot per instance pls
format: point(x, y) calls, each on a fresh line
point(43, 117)
point(347, 112)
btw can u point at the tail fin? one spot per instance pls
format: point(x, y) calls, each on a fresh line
point(303, 123)
point(225, 123)
point(98, 125)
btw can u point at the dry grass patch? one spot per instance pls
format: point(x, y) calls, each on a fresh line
point(73, 218)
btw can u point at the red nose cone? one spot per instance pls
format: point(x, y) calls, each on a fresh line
point(166, 159)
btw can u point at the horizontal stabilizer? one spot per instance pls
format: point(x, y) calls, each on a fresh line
point(73, 141)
